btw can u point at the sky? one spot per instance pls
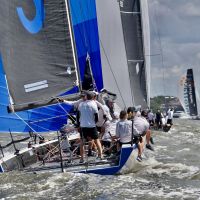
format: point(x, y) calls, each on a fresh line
point(175, 44)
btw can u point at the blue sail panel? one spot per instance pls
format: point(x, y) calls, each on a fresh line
point(85, 28)
point(82, 10)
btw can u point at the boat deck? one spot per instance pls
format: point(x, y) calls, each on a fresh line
point(69, 166)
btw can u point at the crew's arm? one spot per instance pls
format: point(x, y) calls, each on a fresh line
point(96, 117)
point(74, 103)
point(100, 106)
point(117, 132)
point(78, 118)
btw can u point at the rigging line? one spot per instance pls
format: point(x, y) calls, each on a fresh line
point(90, 67)
point(112, 72)
point(24, 122)
point(65, 111)
point(161, 50)
point(29, 125)
point(46, 129)
point(42, 120)
point(160, 44)
point(46, 119)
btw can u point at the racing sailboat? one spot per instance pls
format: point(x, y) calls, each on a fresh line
point(188, 93)
point(46, 59)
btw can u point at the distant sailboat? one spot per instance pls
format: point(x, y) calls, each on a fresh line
point(47, 58)
point(187, 94)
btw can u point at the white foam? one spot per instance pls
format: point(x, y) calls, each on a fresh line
point(187, 133)
point(6, 186)
point(161, 147)
point(174, 170)
point(185, 149)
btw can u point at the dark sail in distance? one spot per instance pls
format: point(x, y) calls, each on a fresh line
point(133, 37)
point(189, 93)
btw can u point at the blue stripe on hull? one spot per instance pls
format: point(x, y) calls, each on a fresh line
point(125, 154)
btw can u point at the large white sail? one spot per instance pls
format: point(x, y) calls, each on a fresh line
point(146, 42)
point(113, 54)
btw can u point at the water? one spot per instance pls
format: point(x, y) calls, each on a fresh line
point(173, 172)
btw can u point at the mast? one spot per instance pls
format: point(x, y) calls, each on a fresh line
point(73, 44)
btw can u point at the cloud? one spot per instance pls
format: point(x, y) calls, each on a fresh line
point(198, 55)
point(175, 39)
point(190, 9)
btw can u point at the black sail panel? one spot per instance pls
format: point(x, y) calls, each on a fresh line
point(190, 94)
point(133, 37)
point(36, 49)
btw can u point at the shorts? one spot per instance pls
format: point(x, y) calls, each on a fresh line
point(88, 133)
point(106, 144)
point(169, 121)
point(99, 129)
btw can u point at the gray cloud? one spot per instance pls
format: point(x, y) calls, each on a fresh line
point(175, 35)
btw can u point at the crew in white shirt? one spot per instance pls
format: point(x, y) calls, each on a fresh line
point(170, 114)
point(88, 116)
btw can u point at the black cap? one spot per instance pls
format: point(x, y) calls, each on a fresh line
point(144, 113)
point(83, 93)
point(131, 109)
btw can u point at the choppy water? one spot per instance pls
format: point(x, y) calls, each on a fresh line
point(173, 172)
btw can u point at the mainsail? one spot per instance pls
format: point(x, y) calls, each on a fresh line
point(133, 23)
point(84, 22)
point(38, 55)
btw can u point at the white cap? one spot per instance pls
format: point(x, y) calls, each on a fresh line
point(116, 115)
point(95, 92)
